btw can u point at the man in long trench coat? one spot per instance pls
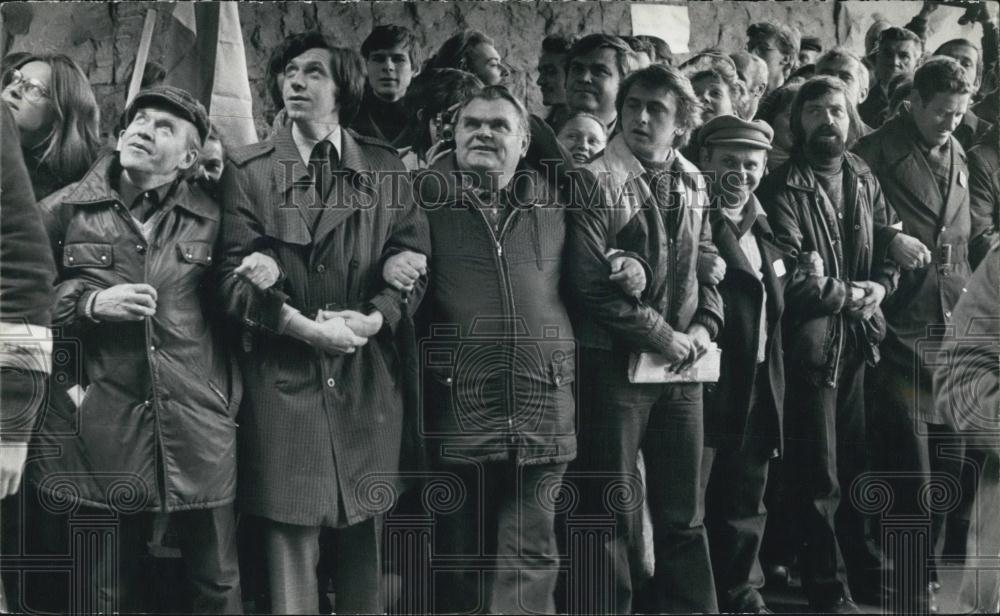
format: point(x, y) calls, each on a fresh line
point(321, 428)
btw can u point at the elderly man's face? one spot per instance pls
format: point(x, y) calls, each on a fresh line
point(157, 142)
point(734, 171)
point(778, 64)
point(489, 138)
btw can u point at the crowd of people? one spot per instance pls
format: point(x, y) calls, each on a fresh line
point(414, 302)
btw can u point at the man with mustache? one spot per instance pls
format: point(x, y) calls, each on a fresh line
point(390, 56)
point(923, 170)
point(595, 67)
point(826, 200)
point(651, 204)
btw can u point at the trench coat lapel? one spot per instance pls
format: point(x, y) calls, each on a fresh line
point(295, 186)
point(917, 178)
point(958, 193)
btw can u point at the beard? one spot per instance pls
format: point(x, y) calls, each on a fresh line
point(826, 142)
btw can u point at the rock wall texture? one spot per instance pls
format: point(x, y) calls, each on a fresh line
point(104, 37)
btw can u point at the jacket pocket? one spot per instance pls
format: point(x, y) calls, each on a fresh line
point(94, 254)
point(811, 342)
point(562, 370)
point(195, 252)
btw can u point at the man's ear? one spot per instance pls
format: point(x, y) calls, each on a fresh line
point(525, 143)
point(189, 160)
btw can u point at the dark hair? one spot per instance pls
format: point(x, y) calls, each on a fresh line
point(898, 89)
point(453, 53)
point(838, 53)
point(961, 42)
point(663, 76)
point(940, 74)
point(895, 34)
point(818, 86)
point(660, 47)
point(593, 42)
point(389, 36)
point(778, 100)
point(806, 71)
point(558, 43)
point(275, 68)
point(787, 39)
point(434, 91)
point(346, 67)
point(638, 45)
point(73, 142)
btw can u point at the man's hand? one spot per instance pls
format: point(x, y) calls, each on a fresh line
point(811, 263)
point(403, 269)
point(629, 275)
point(908, 252)
point(259, 269)
point(711, 269)
point(125, 302)
point(332, 335)
point(362, 325)
point(680, 351)
point(865, 307)
point(12, 457)
point(700, 338)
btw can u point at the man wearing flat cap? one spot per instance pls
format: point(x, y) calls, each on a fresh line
point(145, 422)
point(743, 410)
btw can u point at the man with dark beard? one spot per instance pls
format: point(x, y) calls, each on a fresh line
point(825, 200)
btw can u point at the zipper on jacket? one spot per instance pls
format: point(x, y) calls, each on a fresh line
point(507, 297)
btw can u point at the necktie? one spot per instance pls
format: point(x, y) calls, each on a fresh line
point(322, 160)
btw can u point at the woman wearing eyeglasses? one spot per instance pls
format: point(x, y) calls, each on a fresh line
point(58, 118)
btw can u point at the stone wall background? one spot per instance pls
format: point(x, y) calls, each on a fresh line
point(104, 37)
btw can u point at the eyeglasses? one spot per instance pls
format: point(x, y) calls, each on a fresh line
point(31, 88)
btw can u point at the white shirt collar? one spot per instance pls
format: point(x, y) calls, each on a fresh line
point(305, 144)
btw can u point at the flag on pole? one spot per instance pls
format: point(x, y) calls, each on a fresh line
point(204, 54)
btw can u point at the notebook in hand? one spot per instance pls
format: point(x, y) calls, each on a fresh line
point(652, 368)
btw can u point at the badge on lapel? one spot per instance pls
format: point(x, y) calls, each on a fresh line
point(962, 180)
point(779, 267)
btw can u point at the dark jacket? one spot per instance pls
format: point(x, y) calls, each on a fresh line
point(972, 130)
point(727, 403)
point(874, 108)
point(622, 214)
point(966, 381)
point(984, 194)
point(803, 219)
point(155, 428)
point(506, 390)
point(318, 428)
point(925, 297)
point(26, 275)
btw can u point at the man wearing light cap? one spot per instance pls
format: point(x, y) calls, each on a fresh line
point(145, 423)
point(743, 410)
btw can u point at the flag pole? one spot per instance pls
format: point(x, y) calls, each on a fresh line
point(140, 59)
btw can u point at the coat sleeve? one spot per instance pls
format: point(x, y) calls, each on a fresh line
point(984, 201)
point(882, 225)
point(883, 269)
point(635, 323)
point(410, 231)
point(710, 312)
point(240, 235)
point(805, 295)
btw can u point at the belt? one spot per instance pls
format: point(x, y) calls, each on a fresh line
point(950, 254)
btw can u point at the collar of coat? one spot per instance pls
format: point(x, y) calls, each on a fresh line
point(439, 185)
point(96, 187)
point(801, 176)
point(289, 168)
point(617, 167)
point(898, 139)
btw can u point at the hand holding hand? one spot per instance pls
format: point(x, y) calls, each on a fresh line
point(332, 335)
point(362, 325)
point(403, 269)
point(259, 269)
point(711, 269)
point(629, 275)
point(125, 302)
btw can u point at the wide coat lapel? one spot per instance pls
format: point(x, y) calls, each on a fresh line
point(352, 189)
